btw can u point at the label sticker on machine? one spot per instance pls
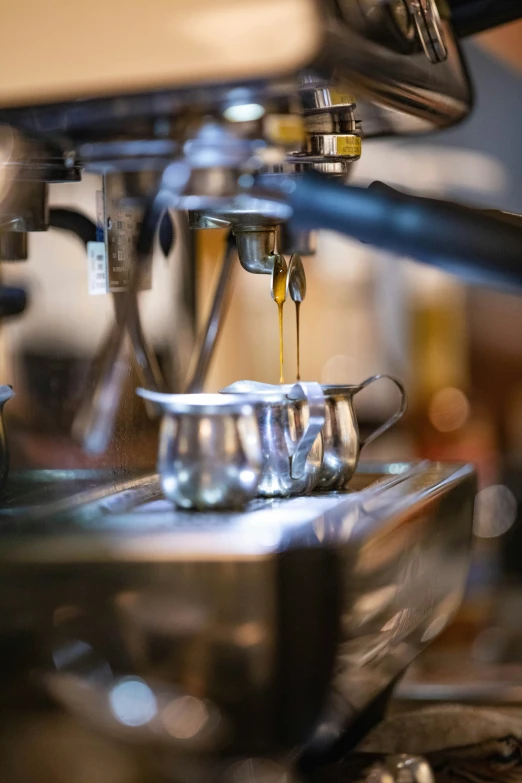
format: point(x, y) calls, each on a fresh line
point(97, 266)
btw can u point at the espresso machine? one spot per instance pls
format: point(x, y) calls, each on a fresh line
point(205, 634)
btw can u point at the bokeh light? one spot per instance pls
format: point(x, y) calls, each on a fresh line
point(132, 702)
point(448, 409)
point(495, 511)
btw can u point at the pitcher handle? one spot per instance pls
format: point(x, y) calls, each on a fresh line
point(313, 395)
point(396, 416)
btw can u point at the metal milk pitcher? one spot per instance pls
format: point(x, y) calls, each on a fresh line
point(290, 421)
point(341, 442)
point(210, 449)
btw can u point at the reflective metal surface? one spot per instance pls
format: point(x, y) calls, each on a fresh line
point(210, 449)
point(401, 768)
point(290, 421)
point(296, 279)
point(374, 49)
point(256, 248)
point(369, 48)
point(215, 634)
point(332, 147)
point(429, 28)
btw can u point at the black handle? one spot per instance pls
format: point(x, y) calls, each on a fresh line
point(74, 221)
point(473, 244)
point(507, 217)
point(13, 300)
point(469, 17)
point(85, 228)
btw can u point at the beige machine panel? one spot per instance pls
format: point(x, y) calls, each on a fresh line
point(66, 49)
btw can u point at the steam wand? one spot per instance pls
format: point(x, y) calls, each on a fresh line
point(94, 423)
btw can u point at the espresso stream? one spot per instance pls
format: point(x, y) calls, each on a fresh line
point(279, 295)
point(297, 313)
point(279, 291)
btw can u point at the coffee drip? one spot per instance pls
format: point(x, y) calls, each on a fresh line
point(296, 290)
point(298, 371)
point(288, 281)
point(279, 275)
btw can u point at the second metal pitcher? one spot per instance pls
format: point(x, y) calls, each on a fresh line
point(210, 451)
point(341, 442)
point(290, 421)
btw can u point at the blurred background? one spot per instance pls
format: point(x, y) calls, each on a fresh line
point(457, 348)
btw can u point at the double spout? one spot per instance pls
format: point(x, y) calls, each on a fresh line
point(256, 245)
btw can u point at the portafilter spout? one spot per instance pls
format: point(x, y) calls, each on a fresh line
point(256, 248)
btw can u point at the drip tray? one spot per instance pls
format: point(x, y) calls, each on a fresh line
point(295, 613)
point(50, 515)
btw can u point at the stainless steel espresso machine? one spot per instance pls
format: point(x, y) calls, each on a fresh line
point(160, 632)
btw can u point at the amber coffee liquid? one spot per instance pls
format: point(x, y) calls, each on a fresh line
point(297, 314)
point(279, 294)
